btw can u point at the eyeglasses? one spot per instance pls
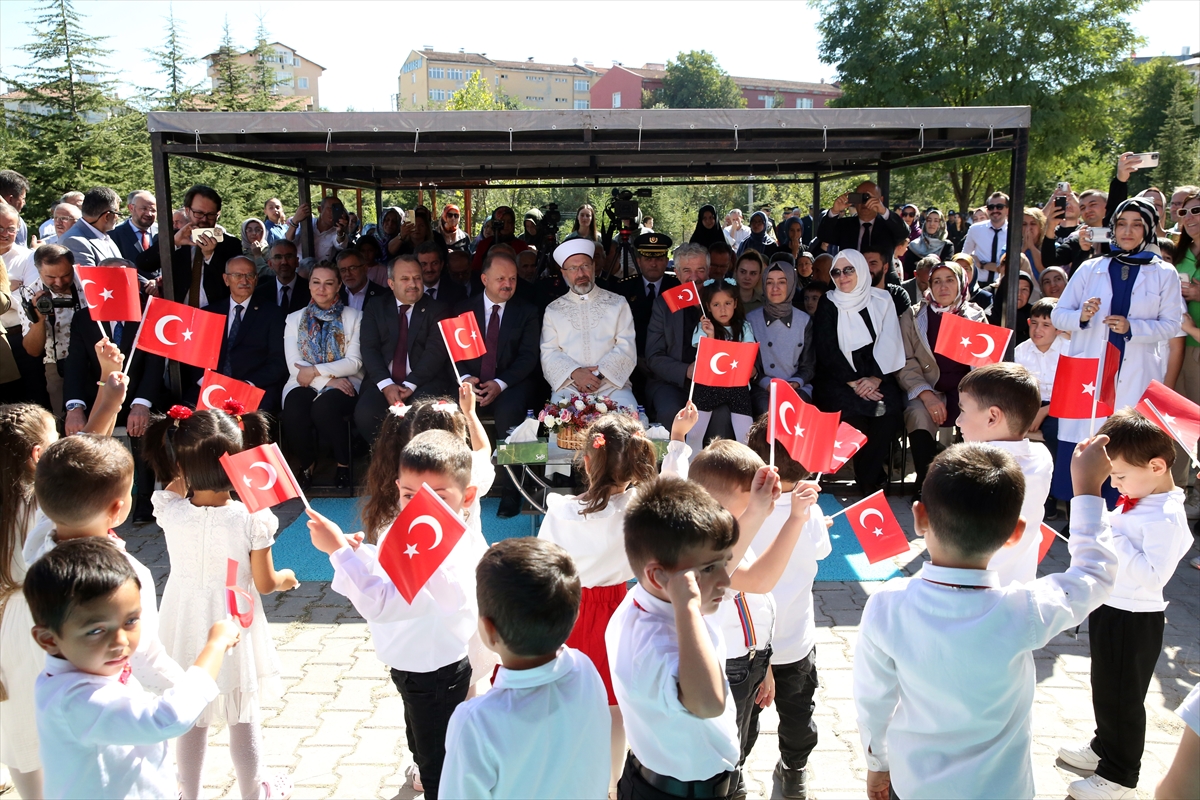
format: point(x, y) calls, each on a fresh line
point(452, 215)
point(837, 273)
point(996, 206)
point(9, 231)
point(579, 268)
point(247, 277)
point(64, 219)
point(1195, 210)
point(908, 215)
point(203, 214)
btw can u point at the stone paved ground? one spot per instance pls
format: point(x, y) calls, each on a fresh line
point(339, 727)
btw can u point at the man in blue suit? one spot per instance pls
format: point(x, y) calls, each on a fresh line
point(137, 234)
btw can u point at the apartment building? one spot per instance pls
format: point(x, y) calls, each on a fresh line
point(295, 75)
point(429, 77)
point(622, 87)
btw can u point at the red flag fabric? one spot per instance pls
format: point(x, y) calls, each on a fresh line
point(682, 296)
point(216, 388)
point(1174, 411)
point(721, 363)
point(975, 344)
point(1048, 535)
point(232, 594)
point(876, 527)
point(849, 440)
point(807, 433)
point(407, 554)
point(181, 333)
point(112, 293)
point(463, 338)
point(1075, 386)
point(261, 477)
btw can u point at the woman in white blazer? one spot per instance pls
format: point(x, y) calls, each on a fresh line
point(1130, 298)
point(321, 342)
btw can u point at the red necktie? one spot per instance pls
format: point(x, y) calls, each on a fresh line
point(400, 355)
point(1126, 503)
point(145, 241)
point(491, 339)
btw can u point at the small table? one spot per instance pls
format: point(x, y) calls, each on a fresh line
point(555, 456)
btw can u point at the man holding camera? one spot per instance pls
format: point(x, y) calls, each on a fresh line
point(1095, 207)
point(504, 222)
point(874, 226)
point(45, 308)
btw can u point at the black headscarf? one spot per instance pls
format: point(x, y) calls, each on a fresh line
point(707, 237)
point(1148, 247)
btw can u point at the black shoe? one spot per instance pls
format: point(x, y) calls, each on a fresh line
point(342, 479)
point(739, 792)
point(510, 505)
point(793, 783)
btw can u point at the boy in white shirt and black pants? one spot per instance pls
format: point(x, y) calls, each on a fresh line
point(1150, 534)
point(1039, 354)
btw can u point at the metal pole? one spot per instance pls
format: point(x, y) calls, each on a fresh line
point(816, 201)
point(166, 239)
point(306, 225)
point(379, 205)
point(1016, 219)
point(466, 212)
point(884, 182)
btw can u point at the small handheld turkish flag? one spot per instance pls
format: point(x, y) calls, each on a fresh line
point(876, 527)
point(112, 293)
point(181, 333)
point(234, 594)
point(260, 476)
point(1170, 410)
point(807, 433)
point(1048, 535)
point(1075, 386)
point(849, 440)
point(721, 363)
point(975, 344)
point(216, 388)
point(408, 555)
point(463, 339)
point(681, 296)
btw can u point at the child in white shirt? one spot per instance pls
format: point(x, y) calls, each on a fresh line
point(997, 404)
point(105, 735)
point(1039, 354)
point(943, 670)
point(423, 642)
point(541, 732)
point(1151, 535)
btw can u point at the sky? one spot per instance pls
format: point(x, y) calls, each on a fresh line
point(362, 45)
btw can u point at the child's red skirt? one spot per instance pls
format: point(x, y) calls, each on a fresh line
point(596, 608)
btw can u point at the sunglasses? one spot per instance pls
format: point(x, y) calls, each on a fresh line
point(836, 273)
point(1195, 210)
point(996, 206)
point(908, 215)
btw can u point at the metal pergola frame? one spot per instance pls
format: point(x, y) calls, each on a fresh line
point(476, 149)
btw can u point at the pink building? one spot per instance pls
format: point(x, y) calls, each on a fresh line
point(622, 87)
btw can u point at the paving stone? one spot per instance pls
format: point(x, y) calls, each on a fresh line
point(362, 780)
point(337, 728)
point(300, 710)
point(354, 695)
point(320, 679)
point(382, 747)
point(317, 763)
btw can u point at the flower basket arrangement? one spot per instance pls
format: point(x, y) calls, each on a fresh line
point(569, 418)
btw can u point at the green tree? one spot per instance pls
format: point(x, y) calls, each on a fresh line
point(264, 80)
point(1065, 61)
point(476, 95)
point(1176, 142)
point(696, 80)
point(232, 86)
point(176, 93)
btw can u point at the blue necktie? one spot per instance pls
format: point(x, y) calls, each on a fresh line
point(116, 333)
point(232, 337)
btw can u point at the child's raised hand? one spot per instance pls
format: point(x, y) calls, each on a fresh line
point(878, 785)
point(110, 356)
point(706, 327)
point(224, 633)
point(354, 540)
point(466, 398)
point(764, 491)
point(1090, 466)
point(683, 588)
point(326, 535)
point(804, 497)
point(287, 580)
point(685, 420)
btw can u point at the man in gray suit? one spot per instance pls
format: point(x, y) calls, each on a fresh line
point(670, 355)
point(88, 239)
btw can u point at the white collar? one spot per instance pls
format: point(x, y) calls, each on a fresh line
point(538, 676)
point(960, 578)
point(101, 234)
point(651, 604)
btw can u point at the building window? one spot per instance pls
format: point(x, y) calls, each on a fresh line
point(437, 94)
point(581, 85)
point(768, 100)
point(616, 103)
point(582, 105)
point(804, 102)
point(414, 77)
point(414, 99)
point(301, 83)
point(437, 72)
point(415, 64)
point(295, 62)
point(455, 74)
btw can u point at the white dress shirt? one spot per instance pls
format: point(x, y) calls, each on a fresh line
point(1043, 365)
point(108, 739)
point(1150, 540)
point(978, 243)
point(18, 262)
point(643, 657)
point(795, 627)
point(1019, 562)
point(595, 541)
point(356, 299)
point(233, 307)
point(386, 382)
point(540, 733)
point(943, 670)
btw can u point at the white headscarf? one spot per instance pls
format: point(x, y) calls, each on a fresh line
point(852, 331)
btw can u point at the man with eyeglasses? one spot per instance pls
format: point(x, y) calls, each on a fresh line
point(357, 289)
point(88, 239)
point(202, 249)
point(62, 218)
point(875, 224)
point(137, 234)
point(454, 237)
point(504, 222)
point(988, 240)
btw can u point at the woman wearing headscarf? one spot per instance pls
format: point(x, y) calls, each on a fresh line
point(1053, 282)
point(784, 334)
point(254, 242)
point(760, 237)
point(1130, 299)
point(911, 216)
point(930, 380)
point(859, 354)
point(791, 239)
point(708, 229)
point(933, 241)
point(389, 228)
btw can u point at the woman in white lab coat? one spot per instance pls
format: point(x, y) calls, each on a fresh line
point(1130, 298)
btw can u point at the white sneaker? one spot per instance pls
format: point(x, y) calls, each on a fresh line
point(413, 773)
point(1080, 756)
point(1097, 788)
point(1191, 506)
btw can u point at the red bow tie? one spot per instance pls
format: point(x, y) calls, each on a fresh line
point(1126, 503)
point(125, 673)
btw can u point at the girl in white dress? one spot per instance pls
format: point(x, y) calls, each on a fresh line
point(205, 529)
point(25, 431)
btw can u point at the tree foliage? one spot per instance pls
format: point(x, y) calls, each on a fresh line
point(232, 79)
point(476, 95)
point(172, 61)
point(696, 80)
point(1176, 142)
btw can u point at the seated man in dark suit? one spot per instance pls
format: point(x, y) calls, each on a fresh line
point(252, 348)
point(505, 375)
point(139, 233)
point(283, 288)
point(403, 353)
point(198, 267)
point(670, 356)
point(874, 226)
point(458, 269)
point(438, 286)
point(146, 388)
point(642, 290)
point(356, 289)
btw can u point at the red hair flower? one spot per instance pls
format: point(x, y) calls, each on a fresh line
point(233, 407)
point(178, 413)
point(597, 441)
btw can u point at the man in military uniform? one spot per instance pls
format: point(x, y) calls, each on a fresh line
point(641, 292)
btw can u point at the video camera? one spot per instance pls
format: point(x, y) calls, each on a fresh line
point(45, 303)
point(623, 206)
point(550, 222)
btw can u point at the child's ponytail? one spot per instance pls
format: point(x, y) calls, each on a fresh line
point(189, 445)
point(618, 453)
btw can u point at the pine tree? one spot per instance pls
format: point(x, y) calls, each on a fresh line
point(264, 80)
point(1177, 142)
point(232, 86)
point(172, 62)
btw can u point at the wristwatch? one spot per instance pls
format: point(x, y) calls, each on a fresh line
point(74, 404)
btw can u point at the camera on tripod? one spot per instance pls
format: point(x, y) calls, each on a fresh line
point(623, 206)
point(550, 222)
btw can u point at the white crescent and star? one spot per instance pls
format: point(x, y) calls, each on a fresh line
point(461, 343)
point(1089, 388)
point(991, 346)
point(160, 329)
point(687, 294)
point(270, 471)
point(844, 459)
point(107, 294)
point(712, 364)
point(425, 519)
point(206, 395)
point(868, 513)
point(783, 409)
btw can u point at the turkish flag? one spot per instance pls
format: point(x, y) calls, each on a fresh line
point(181, 333)
point(806, 432)
point(216, 388)
point(408, 555)
point(112, 293)
point(463, 338)
point(682, 296)
point(876, 527)
point(260, 476)
point(849, 440)
point(721, 363)
point(233, 593)
point(1173, 411)
point(1075, 386)
point(1048, 535)
point(975, 344)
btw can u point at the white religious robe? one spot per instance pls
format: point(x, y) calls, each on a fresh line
point(585, 330)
